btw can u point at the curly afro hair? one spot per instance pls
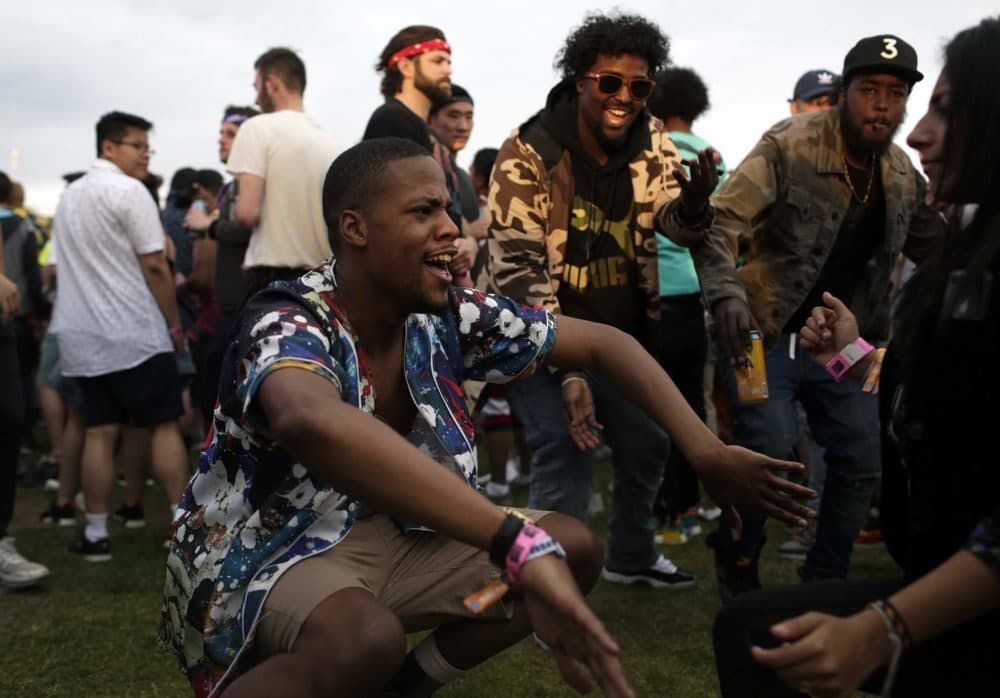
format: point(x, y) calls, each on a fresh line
point(613, 35)
point(679, 92)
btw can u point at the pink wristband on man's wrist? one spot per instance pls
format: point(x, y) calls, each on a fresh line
point(848, 356)
point(529, 536)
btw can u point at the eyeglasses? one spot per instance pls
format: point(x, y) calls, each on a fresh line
point(141, 147)
point(609, 84)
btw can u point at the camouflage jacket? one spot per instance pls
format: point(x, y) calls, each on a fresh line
point(788, 198)
point(531, 193)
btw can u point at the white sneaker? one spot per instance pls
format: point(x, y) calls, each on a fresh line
point(596, 505)
point(497, 490)
point(662, 575)
point(15, 570)
point(709, 513)
point(513, 468)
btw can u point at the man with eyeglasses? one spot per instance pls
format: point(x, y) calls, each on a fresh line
point(576, 196)
point(116, 318)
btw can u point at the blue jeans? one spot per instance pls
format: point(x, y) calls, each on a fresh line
point(843, 421)
point(562, 474)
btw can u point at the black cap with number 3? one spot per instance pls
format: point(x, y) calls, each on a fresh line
point(882, 54)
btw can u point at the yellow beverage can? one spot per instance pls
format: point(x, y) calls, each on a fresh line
point(751, 374)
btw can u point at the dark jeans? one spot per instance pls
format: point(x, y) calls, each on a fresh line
point(562, 474)
point(843, 420)
point(11, 424)
point(959, 662)
point(684, 344)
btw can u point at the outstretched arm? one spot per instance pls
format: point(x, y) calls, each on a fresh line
point(311, 421)
point(732, 475)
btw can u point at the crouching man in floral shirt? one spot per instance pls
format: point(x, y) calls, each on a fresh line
point(336, 509)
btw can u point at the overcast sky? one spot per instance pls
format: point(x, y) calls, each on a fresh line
point(63, 64)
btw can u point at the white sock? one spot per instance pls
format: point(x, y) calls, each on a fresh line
point(173, 512)
point(97, 527)
point(433, 663)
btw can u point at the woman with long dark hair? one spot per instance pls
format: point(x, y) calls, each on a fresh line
point(936, 631)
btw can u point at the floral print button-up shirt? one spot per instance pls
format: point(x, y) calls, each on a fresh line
point(251, 511)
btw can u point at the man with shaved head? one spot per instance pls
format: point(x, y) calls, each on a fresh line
point(335, 508)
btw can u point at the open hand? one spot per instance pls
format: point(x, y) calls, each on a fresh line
point(579, 404)
point(695, 192)
point(562, 620)
point(739, 477)
point(825, 655)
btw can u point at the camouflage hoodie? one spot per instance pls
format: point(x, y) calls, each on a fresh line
point(531, 193)
point(788, 198)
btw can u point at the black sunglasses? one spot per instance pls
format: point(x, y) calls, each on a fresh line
point(609, 84)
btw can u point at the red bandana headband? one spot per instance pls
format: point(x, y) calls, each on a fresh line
point(417, 49)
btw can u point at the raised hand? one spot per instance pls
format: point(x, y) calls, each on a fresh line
point(696, 190)
point(828, 329)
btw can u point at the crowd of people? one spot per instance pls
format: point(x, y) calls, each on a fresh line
point(338, 328)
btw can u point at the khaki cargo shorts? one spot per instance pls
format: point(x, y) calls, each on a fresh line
point(422, 577)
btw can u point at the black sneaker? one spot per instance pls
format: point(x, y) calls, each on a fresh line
point(92, 551)
point(735, 573)
point(663, 574)
point(131, 517)
point(59, 516)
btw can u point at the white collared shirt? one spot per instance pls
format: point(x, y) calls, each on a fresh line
point(105, 315)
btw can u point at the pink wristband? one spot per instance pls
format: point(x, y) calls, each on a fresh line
point(529, 536)
point(848, 356)
point(176, 332)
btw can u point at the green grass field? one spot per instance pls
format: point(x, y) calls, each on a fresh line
point(89, 630)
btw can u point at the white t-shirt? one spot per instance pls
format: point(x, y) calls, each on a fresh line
point(292, 153)
point(105, 315)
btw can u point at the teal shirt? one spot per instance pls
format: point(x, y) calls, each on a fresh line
point(676, 268)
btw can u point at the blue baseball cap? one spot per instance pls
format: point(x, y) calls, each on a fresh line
point(814, 83)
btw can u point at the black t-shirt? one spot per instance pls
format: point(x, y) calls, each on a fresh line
point(859, 238)
point(396, 119)
point(600, 280)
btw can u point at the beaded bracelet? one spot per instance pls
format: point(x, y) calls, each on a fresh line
point(899, 625)
point(899, 638)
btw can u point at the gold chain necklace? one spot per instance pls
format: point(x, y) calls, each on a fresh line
point(871, 179)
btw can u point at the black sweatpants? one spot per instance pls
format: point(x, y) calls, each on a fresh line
point(11, 423)
point(959, 662)
point(683, 347)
